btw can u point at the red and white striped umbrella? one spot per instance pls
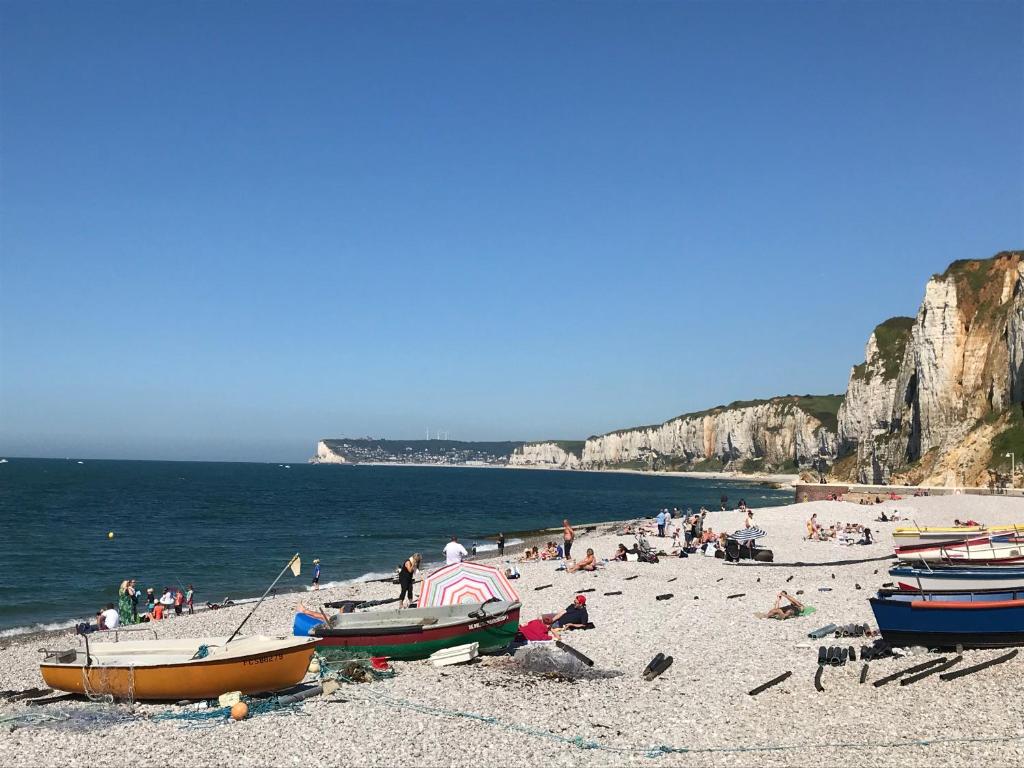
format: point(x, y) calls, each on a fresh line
point(461, 583)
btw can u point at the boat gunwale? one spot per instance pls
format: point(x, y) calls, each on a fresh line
point(292, 647)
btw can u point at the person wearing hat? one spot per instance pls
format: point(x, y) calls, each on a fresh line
point(316, 573)
point(573, 617)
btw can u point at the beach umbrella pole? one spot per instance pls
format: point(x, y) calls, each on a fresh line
point(260, 601)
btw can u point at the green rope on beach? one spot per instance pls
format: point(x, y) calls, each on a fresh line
point(664, 749)
point(215, 715)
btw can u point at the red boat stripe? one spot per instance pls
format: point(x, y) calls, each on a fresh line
point(966, 605)
point(426, 635)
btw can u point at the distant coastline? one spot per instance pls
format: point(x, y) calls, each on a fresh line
point(739, 477)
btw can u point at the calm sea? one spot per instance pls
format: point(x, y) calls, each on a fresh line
point(229, 528)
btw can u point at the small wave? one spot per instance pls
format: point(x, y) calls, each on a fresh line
point(49, 627)
point(371, 576)
point(492, 547)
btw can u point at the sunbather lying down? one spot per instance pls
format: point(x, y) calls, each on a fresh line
point(791, 610)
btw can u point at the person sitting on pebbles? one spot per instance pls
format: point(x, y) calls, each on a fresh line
point(783, 612)
point(588, 563)
point(620, 553)
point(573, 617)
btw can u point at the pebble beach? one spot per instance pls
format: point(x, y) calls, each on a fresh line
point(698, 713)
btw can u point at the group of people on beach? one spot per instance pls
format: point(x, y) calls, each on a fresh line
point(841, 533)
point(130, 599)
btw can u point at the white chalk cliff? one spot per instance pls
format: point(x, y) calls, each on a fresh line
point(763, 435)
point(937, 400)
point(324, 455)
point(939, 415)
point(548, 455)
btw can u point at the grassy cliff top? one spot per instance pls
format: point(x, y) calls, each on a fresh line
point(825, 408)
point(891, 338)
point(979, 282)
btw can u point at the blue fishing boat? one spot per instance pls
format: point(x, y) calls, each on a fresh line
point(979, 619)
point(957, 579)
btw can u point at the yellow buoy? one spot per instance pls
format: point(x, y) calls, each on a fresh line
point(314, 666)
point(110, 535)
point(240, 711)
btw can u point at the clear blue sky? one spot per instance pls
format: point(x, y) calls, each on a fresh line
point(229, 229)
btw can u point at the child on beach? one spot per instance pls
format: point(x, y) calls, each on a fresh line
point(316, 574)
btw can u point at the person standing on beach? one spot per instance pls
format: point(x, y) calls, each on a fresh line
point(501, 544)
point(568, 534)
point(189, 597)
point(454, 552)
point(660, 520)
point(316, 574)
point(406, 575)
point(124, 602)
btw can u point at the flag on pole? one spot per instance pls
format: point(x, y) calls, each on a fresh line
point(296, 565)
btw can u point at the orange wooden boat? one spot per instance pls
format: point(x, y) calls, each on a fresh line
point(171, 670)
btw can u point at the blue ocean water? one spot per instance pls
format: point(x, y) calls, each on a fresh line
point(229, 528)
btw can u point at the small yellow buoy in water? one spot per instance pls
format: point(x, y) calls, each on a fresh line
point(110, 535)
point(240, 711)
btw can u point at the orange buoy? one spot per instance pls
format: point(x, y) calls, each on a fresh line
point(240, 711)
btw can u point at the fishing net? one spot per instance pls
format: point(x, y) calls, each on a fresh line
point(355, 669)
point(71, 719)
point(210, 714)
point(546, 658)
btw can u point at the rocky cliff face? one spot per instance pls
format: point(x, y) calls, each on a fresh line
point(550, 455)
point(324, 455)
point(867, 408)
point(771, 435)
point(934, 417)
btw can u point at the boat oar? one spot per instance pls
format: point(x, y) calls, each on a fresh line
point(295, 570)
point(978, 667)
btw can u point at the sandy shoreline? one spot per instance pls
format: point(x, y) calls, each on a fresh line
point(721, 651)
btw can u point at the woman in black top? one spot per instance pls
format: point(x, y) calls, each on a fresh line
point(405, 578)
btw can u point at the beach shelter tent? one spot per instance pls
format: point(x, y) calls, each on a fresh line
point(460, 583)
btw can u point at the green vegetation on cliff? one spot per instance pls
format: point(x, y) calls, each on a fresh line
point(979, 282)
point(824, 408)
point(1010, 440)
point(891, 339)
